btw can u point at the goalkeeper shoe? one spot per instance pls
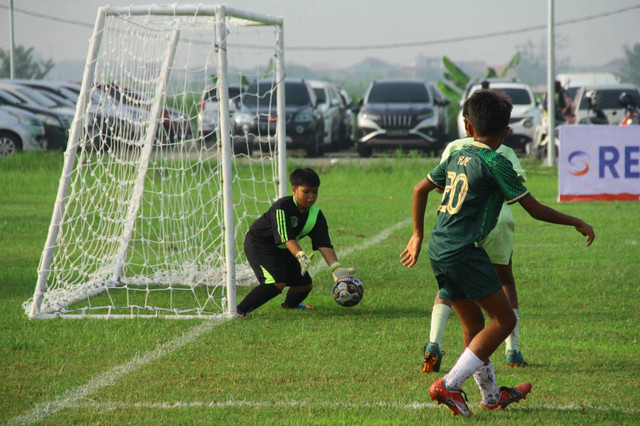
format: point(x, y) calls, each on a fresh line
point(456, 400)
point(432, 358)
point(514, 358)
point(301, 307)
point(510, 395)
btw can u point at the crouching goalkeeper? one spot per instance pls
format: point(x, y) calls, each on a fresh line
point(272, 249)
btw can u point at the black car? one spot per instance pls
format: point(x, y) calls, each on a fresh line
point(402, 113)
point(56, 126)
point(254, 123)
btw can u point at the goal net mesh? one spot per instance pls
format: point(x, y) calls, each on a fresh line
point(141, 230)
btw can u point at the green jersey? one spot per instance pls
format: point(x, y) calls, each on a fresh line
point(476, 181)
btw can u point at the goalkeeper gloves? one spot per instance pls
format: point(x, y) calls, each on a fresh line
point(339, 272)
point(304, 261)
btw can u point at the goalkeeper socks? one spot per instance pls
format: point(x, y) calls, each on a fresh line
point(439, 316)
point(513, 341)
point(294, 298)
point(485, 378)
point(257, 297)
point(467, 364)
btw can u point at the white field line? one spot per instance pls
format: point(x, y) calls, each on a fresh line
point(75, 396)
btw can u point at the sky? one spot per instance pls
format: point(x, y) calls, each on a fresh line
point(590, 32)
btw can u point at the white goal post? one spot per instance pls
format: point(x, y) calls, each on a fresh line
point(151, 210)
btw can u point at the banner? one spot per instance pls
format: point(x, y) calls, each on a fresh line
point(599, 163)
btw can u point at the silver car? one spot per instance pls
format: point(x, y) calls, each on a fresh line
point(20, 131)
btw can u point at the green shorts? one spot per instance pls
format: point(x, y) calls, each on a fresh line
point(472, 279)
point(499, 243)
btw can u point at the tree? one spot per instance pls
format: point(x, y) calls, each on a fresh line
point(631, 70)
point(457, 81)
point(24, 64)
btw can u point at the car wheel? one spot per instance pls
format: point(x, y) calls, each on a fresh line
point(314, 148)
point(9, 144)
point(364, 150)
point(241, 147)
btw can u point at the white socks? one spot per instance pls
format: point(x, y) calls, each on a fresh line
point(485, 378)
point(513, 340)
point(467, 364)
point(439, 316)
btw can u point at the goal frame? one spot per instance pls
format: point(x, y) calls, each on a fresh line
point(221, 13)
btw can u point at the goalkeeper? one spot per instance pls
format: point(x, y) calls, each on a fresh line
point(272, 249)
point(499, 246)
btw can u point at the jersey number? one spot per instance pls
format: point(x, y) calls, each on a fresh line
point(456, 190)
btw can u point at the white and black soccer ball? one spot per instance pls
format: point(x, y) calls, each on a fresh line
point(348, 292)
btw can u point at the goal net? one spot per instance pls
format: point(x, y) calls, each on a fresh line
point(152, 208)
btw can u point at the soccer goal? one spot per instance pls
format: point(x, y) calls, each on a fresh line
point(151, 211)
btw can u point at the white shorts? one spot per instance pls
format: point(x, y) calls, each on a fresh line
point(499, 243)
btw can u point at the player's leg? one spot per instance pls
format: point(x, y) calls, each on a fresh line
point(268, 267)
point(513, 355)
point(433, 349)
point(299, 286)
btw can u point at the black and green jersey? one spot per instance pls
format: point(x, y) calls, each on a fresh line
point(476, 181)
point(283, 222)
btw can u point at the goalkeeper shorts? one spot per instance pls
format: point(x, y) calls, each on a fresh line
point(272, 265)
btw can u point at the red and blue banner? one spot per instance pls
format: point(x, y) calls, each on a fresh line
point(599, 163)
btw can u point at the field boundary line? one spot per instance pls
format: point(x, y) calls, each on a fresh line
point(70, 398)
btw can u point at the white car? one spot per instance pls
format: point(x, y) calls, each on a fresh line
point(609, 101)
point(209, 110)
point(20, 131)
point(331, 106)
point(525, 116)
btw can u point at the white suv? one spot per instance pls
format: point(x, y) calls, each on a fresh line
point(208, 109)
point(525, 116)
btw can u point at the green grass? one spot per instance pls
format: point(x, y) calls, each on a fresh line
point(579, 332)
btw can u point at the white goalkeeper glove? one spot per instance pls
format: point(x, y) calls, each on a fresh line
point(304, 261)
point(339, 272)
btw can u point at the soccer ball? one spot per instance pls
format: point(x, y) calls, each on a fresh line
point(348, 292)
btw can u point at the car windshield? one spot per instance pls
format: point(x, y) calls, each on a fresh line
point(36, 97)
point(517, 96)
point(610, 98)
point(408, 92)
point(9, 98)
point(264, 95)
point(320, 94)
point(211, 94)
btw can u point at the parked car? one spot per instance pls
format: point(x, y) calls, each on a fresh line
point(208, 114)
point(35, 98)
point(255, 120)
point(332, 108)
point(20, 131)
point(572, 82)
point(134, 108)
point(349, 118)
point(402, 113)
point(609, 101)
point(525, 116)
point(56, 125)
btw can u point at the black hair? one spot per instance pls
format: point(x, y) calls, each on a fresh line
point(488, 111)
point(304, 176)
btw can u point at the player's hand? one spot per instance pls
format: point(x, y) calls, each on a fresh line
point(409, 255)
point(586, 230)
point(339, 272)
point(304, 261)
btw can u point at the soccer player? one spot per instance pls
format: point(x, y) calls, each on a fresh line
point(475, 181)
point(272, 249)
point(499, 246)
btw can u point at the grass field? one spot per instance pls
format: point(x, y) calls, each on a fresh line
point(579, 332)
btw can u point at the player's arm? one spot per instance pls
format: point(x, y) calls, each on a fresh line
point(544, 213)
point(329, 255)
point(409, 255)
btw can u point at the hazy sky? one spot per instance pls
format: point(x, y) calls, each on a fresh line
point(594, 38)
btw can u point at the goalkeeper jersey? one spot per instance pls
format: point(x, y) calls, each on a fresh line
point(283, 221)
point(476, 181)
